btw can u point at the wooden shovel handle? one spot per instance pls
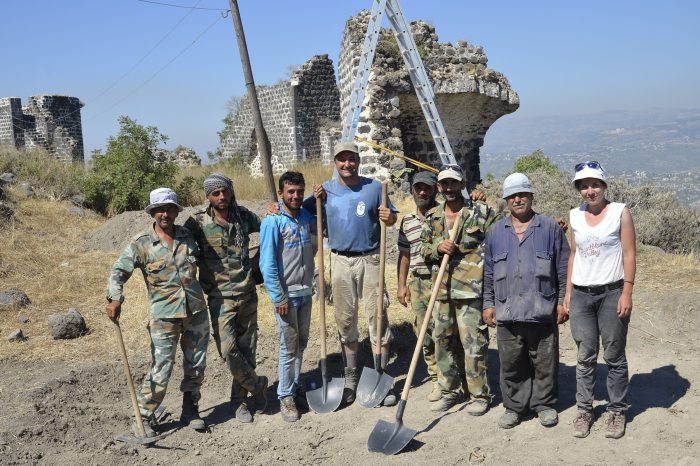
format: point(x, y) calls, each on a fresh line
point(378, 314)
point(129, 380)
point(428, 313)
point(321, 276)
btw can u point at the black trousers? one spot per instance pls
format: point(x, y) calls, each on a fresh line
point(529, 356)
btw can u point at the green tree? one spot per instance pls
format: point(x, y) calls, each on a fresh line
point(122, 177)
point(537, 160)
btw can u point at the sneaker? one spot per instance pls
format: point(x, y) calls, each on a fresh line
point(390, 398)
point(583, 423)
point(242, 413)
point(352, 377)
point(615, 424)
point(288, 409)
point(446, 402)
point(508, 419)
point(148, 426)
point(548, 417)
point(260, 395)
point(435, 393)
point(478, 407)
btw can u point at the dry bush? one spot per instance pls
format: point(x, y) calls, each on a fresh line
point(659, 219)
point(48, 176)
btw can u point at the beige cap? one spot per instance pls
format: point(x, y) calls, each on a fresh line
point(345, 146)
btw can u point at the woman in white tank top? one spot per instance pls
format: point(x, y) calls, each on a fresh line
point(602, 267)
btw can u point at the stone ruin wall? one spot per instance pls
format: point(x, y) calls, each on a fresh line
point(469, 97)
point(51, 122)
point(292, 113)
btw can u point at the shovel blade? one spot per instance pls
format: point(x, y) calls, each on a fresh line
point(327, 397)
point(373, 387)
point(139, 440)
point(389, 437)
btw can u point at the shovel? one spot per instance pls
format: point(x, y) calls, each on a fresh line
point(375, 383)
point(141, 439)
point(326, 398)
point(391, 438)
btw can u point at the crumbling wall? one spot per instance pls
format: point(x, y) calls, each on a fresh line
point(292, 112)
point(469, 97)
point(52, 122)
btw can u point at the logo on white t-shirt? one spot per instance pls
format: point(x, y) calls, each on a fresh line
point(360, 210)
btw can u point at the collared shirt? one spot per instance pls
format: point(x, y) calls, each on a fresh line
point(525, 279)
point(170, 275)
point(465, 271)
point(224, 269)
point(409, 241)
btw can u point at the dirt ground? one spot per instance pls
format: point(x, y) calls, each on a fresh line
point(61, 408)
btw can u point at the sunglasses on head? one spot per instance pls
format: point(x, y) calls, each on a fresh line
point(451, 166)
point(590, 164)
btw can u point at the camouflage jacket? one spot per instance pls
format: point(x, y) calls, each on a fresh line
point(171, 276)
point(224, 268)
point(465, 272)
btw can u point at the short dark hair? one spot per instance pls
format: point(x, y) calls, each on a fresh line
point(294, 178)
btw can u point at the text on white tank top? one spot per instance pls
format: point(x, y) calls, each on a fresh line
point(598, 259)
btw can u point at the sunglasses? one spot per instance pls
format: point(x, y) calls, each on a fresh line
point(591, 164)
point(451, 166)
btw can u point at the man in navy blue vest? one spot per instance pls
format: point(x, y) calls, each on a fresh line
point(525, 273)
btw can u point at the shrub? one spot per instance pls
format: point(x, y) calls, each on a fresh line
point(48, 176)
point(122, 177)
point(535, 161)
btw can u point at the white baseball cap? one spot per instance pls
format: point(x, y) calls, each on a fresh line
point(589, 169)
point(516, 183)
point(160, 197)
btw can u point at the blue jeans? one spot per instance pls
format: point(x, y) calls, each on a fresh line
point(294, 335)
point(593, 319)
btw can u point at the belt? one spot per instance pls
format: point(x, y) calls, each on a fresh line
point(351, 253)
point(600, 288)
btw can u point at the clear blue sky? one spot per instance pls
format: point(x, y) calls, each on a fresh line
point(562, 57)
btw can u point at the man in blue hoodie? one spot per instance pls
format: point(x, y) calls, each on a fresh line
point(287, 265)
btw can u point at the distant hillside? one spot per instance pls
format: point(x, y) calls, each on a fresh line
point(662, 146)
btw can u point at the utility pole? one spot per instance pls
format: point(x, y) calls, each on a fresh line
point(260, 134)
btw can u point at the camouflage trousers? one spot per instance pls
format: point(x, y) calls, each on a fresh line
point(461, 318)
point(193, 334)
point(235, 329)
point(420, 286)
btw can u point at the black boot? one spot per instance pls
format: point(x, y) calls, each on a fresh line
point(190, 413)
point(352, 377)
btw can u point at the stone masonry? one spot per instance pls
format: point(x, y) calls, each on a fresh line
point(51, 122)
point(469, 97)
point(292, 113)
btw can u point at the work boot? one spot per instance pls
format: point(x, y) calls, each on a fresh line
point(583, 423)
point(548, 417)
point(447, 401)
point(435, 393)
point(477, 407)
point(242, 413)
point(615, 424)
point(190, 413)
point(352, 376)
point(390, 398)
point(260, 395)
point(288, 409)
point(148, 428)
point(508, 419)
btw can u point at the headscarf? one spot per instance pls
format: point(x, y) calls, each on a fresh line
point(217, 181)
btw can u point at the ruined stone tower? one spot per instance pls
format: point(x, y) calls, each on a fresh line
point(48, 121)
point(292, 112)
point(469, 97)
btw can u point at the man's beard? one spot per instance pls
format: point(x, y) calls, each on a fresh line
point(424, 203)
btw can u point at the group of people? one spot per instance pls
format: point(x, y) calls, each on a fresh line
point(513, 273)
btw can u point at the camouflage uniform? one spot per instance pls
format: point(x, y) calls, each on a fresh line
point(457, 311)
point(226, 277)
point(178, 311)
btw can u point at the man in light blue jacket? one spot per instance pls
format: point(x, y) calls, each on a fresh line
point(287, 265)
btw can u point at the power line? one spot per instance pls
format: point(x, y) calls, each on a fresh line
point(183, 6)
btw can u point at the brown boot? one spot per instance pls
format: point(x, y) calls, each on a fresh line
point(190, 413)
point(615, 424)
point(288, 409)
point(583, 423)
point(435, 393)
